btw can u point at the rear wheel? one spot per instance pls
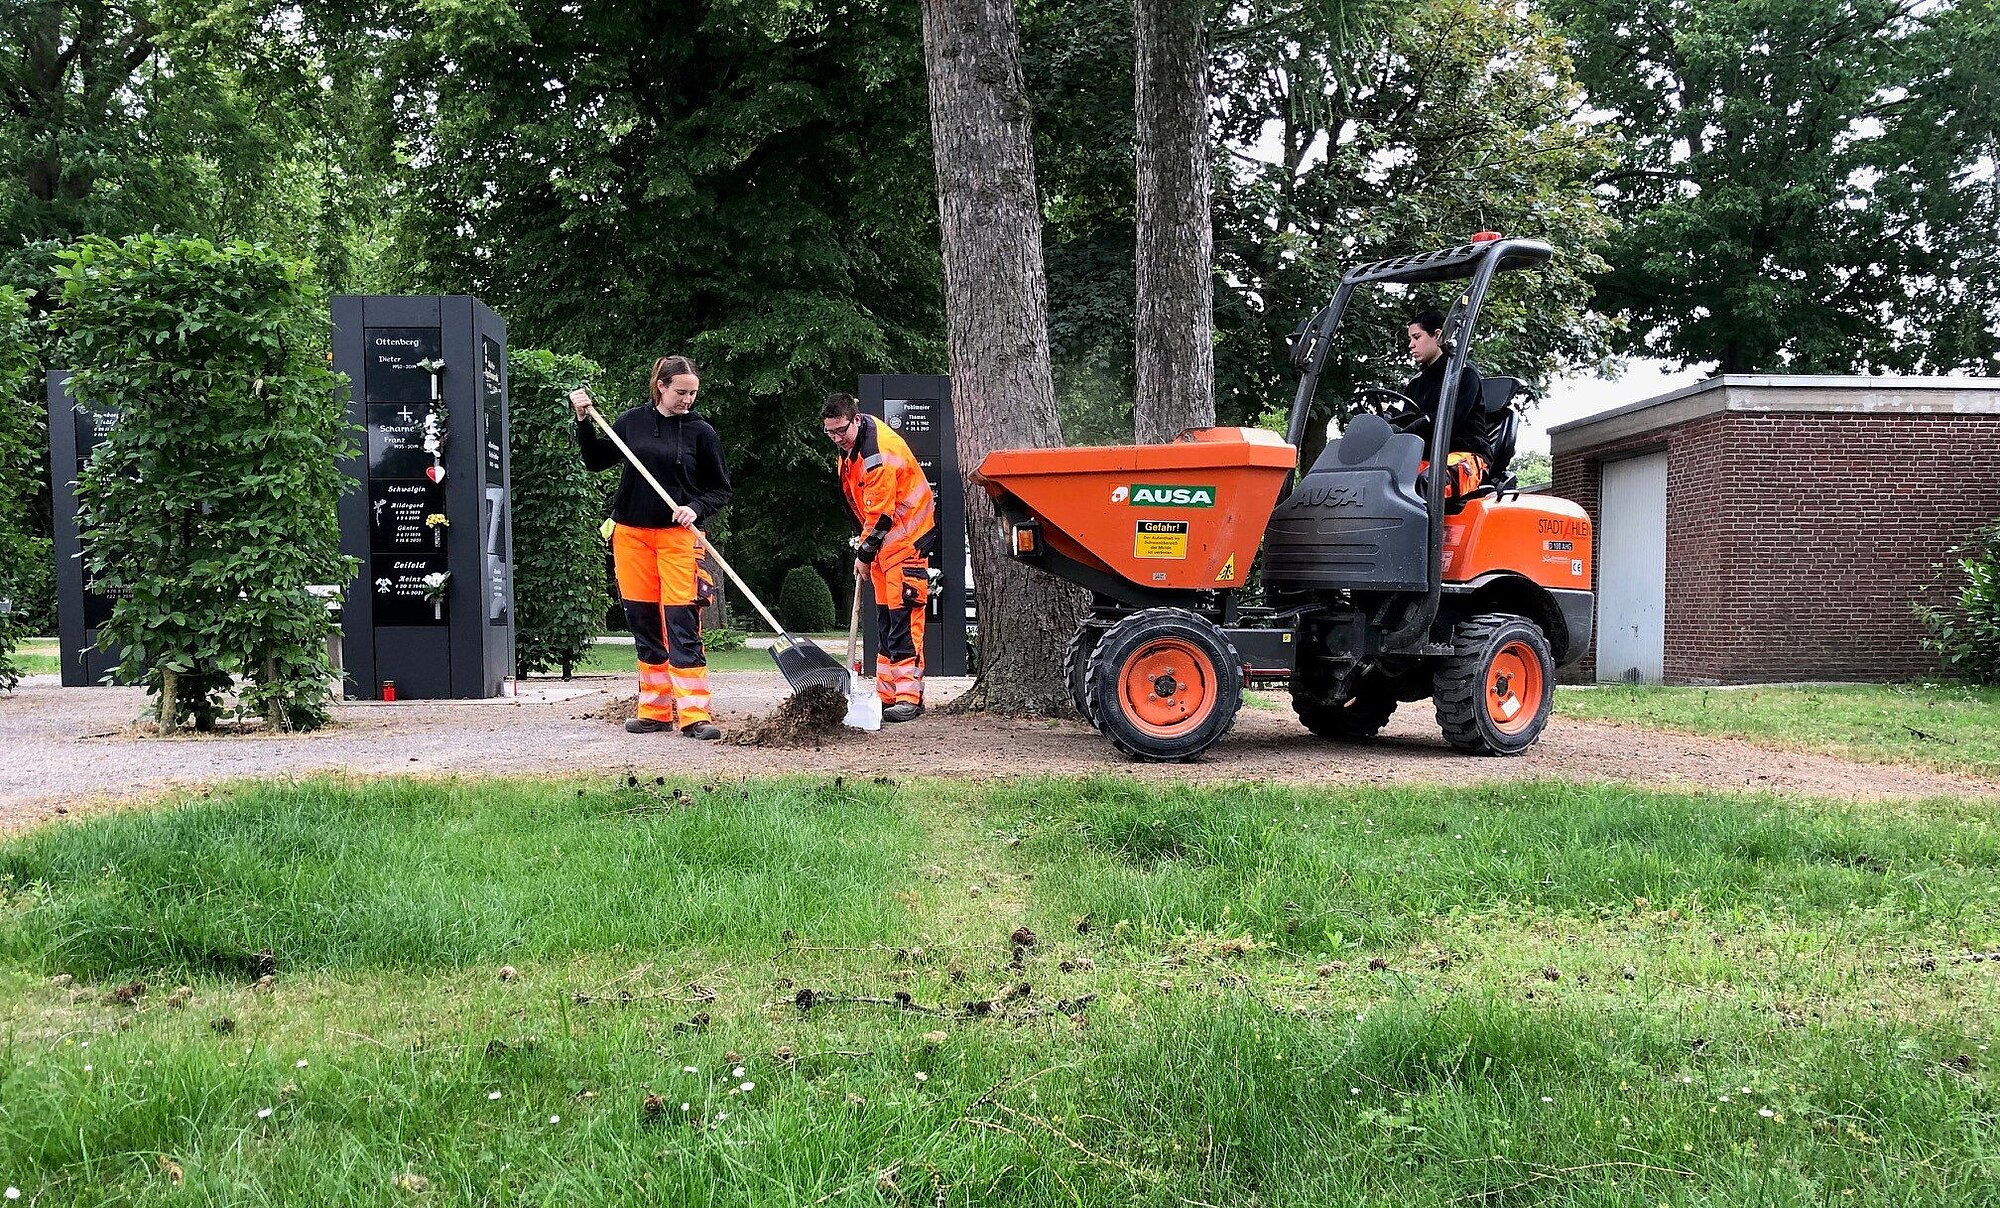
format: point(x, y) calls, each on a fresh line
point(1357, 719)
point(1076, 666)
point(1494, 692)
point(1164, 685)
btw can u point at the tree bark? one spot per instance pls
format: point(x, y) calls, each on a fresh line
point(1175, 378)
point(996, 307)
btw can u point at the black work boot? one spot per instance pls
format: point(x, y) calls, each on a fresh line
point(902, 711)
point(646, 725)
point(702, 730)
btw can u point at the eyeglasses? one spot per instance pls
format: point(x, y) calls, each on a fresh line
point(834, 432)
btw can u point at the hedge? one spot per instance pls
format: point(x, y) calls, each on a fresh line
point(805, 603)
point(21, 555)
point(558, 557)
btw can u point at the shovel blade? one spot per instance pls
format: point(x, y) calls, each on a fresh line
point(805, 665)
point(864, 708)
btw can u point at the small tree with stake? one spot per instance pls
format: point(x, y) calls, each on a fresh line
point(208, 511)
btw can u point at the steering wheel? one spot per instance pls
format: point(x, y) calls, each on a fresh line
point(1382, 401)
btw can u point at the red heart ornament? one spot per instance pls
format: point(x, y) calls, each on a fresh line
point(434, 472)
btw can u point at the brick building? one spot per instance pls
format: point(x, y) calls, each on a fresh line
point(1756, 529)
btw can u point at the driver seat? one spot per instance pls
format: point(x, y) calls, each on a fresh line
point(1502, 428)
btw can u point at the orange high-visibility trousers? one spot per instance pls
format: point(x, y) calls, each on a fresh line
point(1463, 472)
point(663, 587)
point(901, 579)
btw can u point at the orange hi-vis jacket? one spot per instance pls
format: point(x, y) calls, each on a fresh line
point(886, 491)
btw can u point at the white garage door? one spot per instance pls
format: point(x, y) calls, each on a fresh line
point(1632, 570)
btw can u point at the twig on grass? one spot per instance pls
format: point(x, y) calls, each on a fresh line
point(1103, 1159)
point(1558, 1171)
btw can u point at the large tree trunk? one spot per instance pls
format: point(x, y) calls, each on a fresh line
point(1175, 376)
point(997, 320)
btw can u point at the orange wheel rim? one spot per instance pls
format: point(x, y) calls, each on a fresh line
point(1513, 688)
point(1168, 687)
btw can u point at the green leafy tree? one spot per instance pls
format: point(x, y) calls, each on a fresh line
point(22, 555)
point(746, 183)
point(241, 121)
point(558, 558)
point(1384, 131)
point(1078, 58)
point(1344, 132)
point(208, 511)
point(1806, 185)
point(1533, 469)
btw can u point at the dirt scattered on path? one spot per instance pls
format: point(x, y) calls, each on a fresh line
point(618, 711)
point(68, 749)
point(809, 717)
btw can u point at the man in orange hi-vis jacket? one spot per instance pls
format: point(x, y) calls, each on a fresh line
point(889, 498)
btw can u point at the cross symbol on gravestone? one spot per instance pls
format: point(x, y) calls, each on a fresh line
point(405, 415)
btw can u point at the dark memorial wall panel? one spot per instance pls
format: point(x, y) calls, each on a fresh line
point(918, 407)
point(495, 537)
point(392, 369)
point(396, 442)
point(398, 588)
point(404, 514)
point(432, 609)
point(75, 431)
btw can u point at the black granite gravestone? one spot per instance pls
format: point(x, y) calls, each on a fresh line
point(433, 607)
point(918, 406)
point(75, 430)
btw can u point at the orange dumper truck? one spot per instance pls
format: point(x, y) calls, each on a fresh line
point(1378, 586)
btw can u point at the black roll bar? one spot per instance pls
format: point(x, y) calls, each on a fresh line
point(1311, 343)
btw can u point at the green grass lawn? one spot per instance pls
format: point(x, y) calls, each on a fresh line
point(1952, 728)
point(809, 992)
point(39, 656)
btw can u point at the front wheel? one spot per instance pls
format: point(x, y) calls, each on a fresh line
point(1164, 685)
point(1494, 692)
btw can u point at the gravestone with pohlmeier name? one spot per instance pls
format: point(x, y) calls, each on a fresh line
point(432, 610)
point(918, 407)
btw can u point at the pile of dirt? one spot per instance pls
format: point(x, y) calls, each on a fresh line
point(618, 712)
point(806, 719)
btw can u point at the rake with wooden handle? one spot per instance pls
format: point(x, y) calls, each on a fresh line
point(803, 664)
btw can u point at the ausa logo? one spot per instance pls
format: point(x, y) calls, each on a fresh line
point(1154, 495)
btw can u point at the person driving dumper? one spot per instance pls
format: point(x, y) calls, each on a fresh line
point(1471, 455)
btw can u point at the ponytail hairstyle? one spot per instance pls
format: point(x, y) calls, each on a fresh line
point(666, 369)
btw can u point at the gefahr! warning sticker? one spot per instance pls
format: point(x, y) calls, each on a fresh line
point(1160, 539)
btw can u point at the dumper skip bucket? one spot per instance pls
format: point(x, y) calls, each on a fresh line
point(1185, 515)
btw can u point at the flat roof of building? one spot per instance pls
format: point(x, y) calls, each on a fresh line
point(1805, 393)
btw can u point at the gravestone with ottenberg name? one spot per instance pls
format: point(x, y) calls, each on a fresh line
point(433, 607)
point(918, 407)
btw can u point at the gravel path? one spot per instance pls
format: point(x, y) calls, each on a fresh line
point(67, 750)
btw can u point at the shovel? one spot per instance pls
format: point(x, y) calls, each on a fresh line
point(803, 664)
point(864, 708)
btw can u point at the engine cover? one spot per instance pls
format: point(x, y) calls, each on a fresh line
point(1357, 521)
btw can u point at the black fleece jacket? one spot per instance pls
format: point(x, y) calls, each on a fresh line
point(682, 451)
point(1468, 432)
